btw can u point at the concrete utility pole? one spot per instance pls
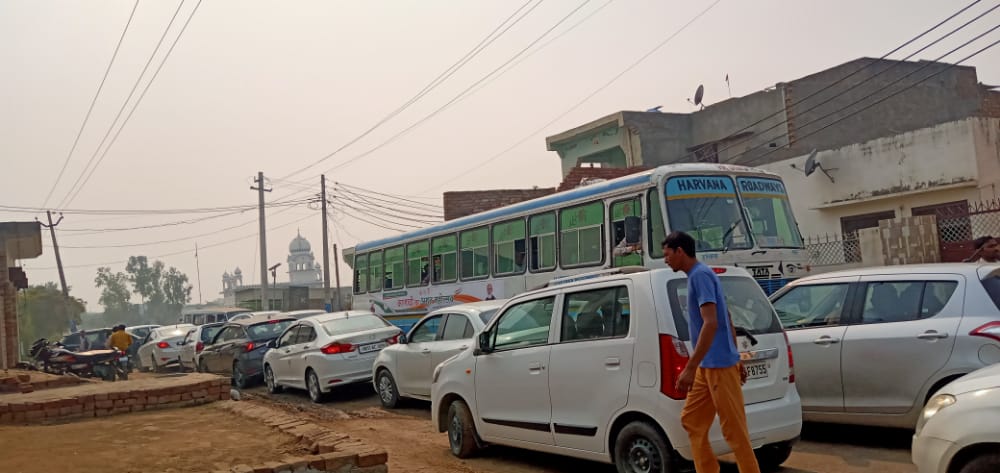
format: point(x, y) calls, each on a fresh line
point(55, 246)
point(263, 238)
point(336, 257)
point(327, 303)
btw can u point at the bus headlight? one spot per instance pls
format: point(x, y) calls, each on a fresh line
point(935, 405)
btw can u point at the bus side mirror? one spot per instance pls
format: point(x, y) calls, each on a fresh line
point(633, 230)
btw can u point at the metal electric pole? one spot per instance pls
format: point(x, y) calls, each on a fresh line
point(263, 238)
point(327, 302)
point(336, 267)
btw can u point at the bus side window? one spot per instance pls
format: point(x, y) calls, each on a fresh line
point(542, 229)
point(394, 264)
point(199, 319)
point(581, 230)
point(375, 271)
point(360, 274)
point(625, 254)
point(445, 259)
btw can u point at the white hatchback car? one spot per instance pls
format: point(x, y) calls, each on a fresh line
point(321, 352)
point(587, 367)
point(959, 428)
point(194, 342)
point(404, 370)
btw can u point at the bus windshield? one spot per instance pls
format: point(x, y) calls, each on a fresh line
point(770, 213)
point(706, 208)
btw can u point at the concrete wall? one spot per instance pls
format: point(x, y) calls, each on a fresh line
point(660, 138)
point(945, 163)
point(730, 117)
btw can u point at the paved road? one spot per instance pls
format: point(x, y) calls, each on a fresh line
point(415, 447)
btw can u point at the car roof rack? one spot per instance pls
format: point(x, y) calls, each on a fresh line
point(594, 274)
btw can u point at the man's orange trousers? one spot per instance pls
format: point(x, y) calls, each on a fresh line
point(718, 391)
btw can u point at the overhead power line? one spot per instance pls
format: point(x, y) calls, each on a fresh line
point(441, 78)
point(388, 198)
point(93, 102)
point(135, 105)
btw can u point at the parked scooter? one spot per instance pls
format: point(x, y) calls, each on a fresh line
point(54, 358)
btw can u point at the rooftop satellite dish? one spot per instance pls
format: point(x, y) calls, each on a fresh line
point(699, 94)
point(812, 164)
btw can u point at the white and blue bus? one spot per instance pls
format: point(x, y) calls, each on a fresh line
point(738, 216)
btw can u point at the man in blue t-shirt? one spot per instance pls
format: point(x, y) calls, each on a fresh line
point(714, 376)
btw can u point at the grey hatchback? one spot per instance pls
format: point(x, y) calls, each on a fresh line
point(238, 349)
point(872, 345)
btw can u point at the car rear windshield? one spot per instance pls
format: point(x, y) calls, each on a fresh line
point(268, 330)
point(208, 333)
point(992, 285)
point(488, 315)
point(354, 323)
point(749, 307)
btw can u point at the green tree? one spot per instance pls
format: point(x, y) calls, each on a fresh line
point(176, 290)
point(115, 293)
point(146, 279)
point(44, 313)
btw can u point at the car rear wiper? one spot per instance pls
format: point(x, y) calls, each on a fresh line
point(746, 333)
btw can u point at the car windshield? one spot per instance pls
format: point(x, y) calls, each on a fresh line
point(268, 330)
point(706, 208)
point(353, 323)
point(486, 316)
point(749, 307)
point(208, 333)
point(770, 213)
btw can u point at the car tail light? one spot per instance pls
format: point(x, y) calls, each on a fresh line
point(673, 359)
point(250, 347)
point(163, 345)
point(990, 330)
point(335, 348)
point(199, 347)
point(393, 339)
point(718, 270)
point(791, 359)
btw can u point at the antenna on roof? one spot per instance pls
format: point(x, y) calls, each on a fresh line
point(699, 94)
point(812, 164)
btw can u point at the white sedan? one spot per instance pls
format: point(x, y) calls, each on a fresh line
point(321, 352)
point(194, 343)
point(162, 346)
point(959, 428)
point(405, 370)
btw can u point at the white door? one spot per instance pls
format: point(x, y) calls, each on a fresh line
point(906, 333)
point(281, 365)
point(305, 343)
point(456, 336)
point(814, 317)
point(512, 382)
point(414, 360)
point(591, 366)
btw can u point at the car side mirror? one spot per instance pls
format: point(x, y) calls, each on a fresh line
point(272, 344)
point(483, 347)
point(402, 339)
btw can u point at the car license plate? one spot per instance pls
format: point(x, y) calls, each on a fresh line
point(756, 370)
point(760, 271)
point(123, 359)
point(371, 347)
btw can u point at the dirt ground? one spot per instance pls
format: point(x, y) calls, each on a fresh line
point(203, 438)
point(414, 446)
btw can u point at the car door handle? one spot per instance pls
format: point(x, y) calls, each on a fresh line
point(426, 351)
point(826, 340)
point(612, 362)
point(305, 347)
point(288, 351)
point(463, 347)
point(932, 335)
point(535, 367)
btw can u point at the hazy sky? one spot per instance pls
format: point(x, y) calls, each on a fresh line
point(274, 86)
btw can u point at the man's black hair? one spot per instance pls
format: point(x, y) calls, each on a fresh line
point(981, 241)
point(680, 240)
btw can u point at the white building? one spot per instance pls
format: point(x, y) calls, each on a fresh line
point(303, 270)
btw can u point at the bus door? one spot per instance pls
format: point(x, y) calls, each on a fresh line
point(625, 224)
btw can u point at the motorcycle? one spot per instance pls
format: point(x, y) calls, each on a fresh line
point(55, 359)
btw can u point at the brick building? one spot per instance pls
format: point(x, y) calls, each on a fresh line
point(18, 240)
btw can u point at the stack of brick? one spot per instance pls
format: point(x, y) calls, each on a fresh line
point(333, 452)
point(14, 410)
point(463, 203)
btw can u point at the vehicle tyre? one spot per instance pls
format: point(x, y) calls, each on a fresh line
point(316, 393)
point(387, 392)
point(984, 463)
point(771, 456)
point(461, 430)
point(239, 378)
point(641, 448)
point(272, 385)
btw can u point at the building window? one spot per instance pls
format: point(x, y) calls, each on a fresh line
point(475, 258)
point(543, 242)
point(581, 235)
point(508, 248)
